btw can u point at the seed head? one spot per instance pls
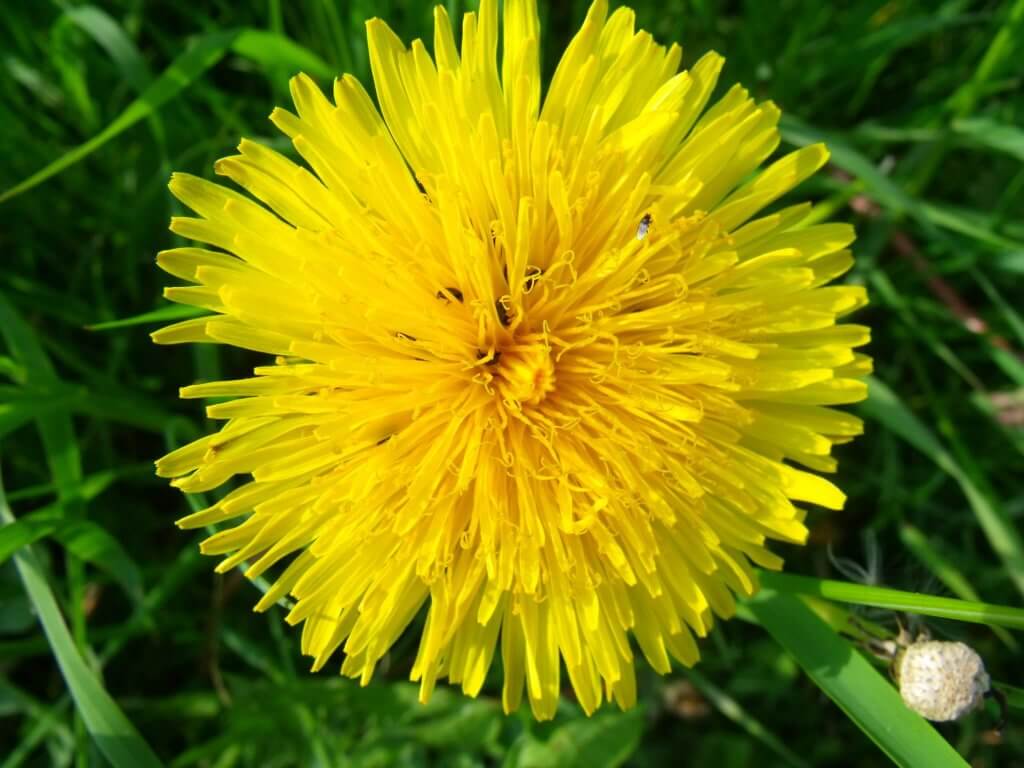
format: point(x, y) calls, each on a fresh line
point(940, 680)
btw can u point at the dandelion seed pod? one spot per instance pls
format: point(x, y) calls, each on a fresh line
point(553, 369)
point(940, 680)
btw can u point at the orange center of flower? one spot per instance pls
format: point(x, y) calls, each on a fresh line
point(525, 375)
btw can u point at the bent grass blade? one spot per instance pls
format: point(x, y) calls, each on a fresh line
point(846, 677)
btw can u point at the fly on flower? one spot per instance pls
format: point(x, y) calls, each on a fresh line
point(644, 227)
point(579, 439)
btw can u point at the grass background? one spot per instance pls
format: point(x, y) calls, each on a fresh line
point(921, 103)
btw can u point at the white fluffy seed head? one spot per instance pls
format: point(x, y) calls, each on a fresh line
point(940, 680)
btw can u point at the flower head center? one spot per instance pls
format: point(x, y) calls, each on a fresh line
point(526, 374)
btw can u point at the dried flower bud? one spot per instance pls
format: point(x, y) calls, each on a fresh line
point(941, 681)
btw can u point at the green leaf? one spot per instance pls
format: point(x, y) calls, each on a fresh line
point(470, 725)
point(277, 52)
point(109, 35)
point(966, 222)
point(55, 428)
point(30, 529)
point(162, 315)
point(733, 710)
point(19, 405)
point(605, 740)
point(885, 407)
point(88, 541)
point(1005, 44)
point(986, 132)
point(914, 540)
point(867, 698)
point(890, 195)
point(62, 457)
point(112, 732)
point(1012, 317)
point(1010, 262)
point(880, 187)
point(896, 600)
point(182, 72)
point(82, 538)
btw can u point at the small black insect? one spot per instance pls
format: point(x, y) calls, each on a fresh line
point(419, 185)
point(644, 228)
point(454, 292)
point(384, 439)
point(404, 336)
point(503, 316)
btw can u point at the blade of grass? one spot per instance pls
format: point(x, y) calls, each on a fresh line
point(64, 461)
point(1002, 48)
point(967, 222)
point(932, 217)
point(885, 407)
point(880, 187)
point(896, 600)
point(109, 35)
point(866, 697)
point(992, 134)
point(164, 314)
point(20, 406)
point(83, 538)
point(25, 531)
point(91, 543)
point(914, 540)
point(56, 430)
point(1012, 317)
point(47, 724)
point(184, 70)
point(92, 485)
point(883, 287)
point(733, 710)
point(66, 60)
point(112, 732)
point(275, 51)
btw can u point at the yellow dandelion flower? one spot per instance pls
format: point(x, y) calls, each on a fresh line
point(539, 372)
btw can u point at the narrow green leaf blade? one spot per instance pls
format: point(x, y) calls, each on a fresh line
point(16, 535)
point(884, 406)
point(888, 193)
point(83, 538)
point(606, 740)
point(866, 697)
point(162, 315)
point(896, 600)
point(915, 540)
point(114, 734)
point(735, 711)
point(992, 134)
point(89, 542)
point(108, 34)
point(276, 51)
point(182, 72)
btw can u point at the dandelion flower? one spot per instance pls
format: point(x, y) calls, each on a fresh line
point(544, 370)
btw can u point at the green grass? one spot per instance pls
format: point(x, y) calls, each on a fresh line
point(119, 645)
